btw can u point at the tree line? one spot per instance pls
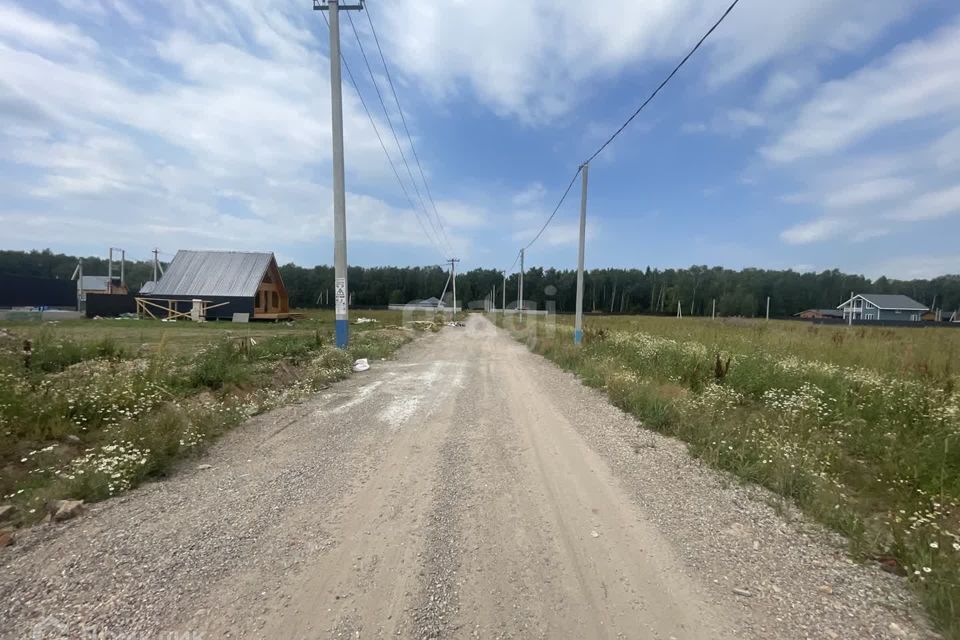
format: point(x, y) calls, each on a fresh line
point(694, 289)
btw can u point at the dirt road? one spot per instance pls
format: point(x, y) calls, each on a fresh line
point(467, 489)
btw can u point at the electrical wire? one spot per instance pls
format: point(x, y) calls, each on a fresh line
point(665, 81)
point(555, 209)
point(383, 146)
point(396, 138)
point(403, 119)
point(634, 115)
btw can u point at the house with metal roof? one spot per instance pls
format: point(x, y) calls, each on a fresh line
point(883, 306)
point(219, 284)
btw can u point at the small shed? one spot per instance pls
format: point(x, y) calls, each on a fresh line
point(883, 306)
point(225, 283)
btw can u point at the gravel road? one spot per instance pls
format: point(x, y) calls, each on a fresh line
point(467, 489)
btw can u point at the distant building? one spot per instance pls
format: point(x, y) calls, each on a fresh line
point(227, 282)
point(882, 306)
point(819, 314)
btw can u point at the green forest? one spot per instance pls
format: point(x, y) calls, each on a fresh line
point(649, 290)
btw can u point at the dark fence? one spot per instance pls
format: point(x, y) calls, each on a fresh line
point(920, 324)
point(107, 305)
point(28, 291)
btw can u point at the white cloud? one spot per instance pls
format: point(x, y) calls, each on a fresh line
point(931, 205)
point(557, 234)
point(538, 62)
point(26, 29)
point(869, 234)
point(868, 191)
point(781, 86)
point(859, 146)
point(916, 81)
point(118, 148)
point(809, 32)
point(533, 194)
point(813, 231)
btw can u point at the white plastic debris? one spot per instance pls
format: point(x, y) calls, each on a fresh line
point(361, 365)
point(364, 320)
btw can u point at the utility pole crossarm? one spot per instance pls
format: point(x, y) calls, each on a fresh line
point(323, 5)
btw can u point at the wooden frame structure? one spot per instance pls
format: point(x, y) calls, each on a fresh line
point(172, 310)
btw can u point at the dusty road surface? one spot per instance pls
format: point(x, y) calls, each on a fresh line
point(467, 489)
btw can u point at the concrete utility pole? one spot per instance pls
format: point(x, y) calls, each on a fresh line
point(503, 295)
point(713, 314)
point(156, 261)
point(520, 290)
point(453, 277)
point(341, 296)
point(768, 307)
point(578, 323)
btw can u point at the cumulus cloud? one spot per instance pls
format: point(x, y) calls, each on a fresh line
point(813, 231)
point(854, 144)
point(536, 64)
point(916, 81)
point(207, 100)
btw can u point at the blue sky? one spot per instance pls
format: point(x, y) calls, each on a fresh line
point(806, 135)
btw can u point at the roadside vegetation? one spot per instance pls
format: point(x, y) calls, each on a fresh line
point(860, 427)
point(94, 408)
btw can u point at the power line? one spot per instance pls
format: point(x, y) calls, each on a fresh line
point(634, 115)
point(403, 119)
point(555, 209)
point(665, 81)
point(396, 138)
point(376, 130)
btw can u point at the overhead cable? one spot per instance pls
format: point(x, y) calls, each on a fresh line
point(635, 114)
point(383, 146)
point(403, 119)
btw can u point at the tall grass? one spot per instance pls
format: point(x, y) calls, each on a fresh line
point(865, 441)
point(88, 420)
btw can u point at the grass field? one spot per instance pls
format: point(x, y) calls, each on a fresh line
point(98, 406)
point(859, 426)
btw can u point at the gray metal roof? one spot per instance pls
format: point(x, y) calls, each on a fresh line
point(892, 301)
point(213, 273)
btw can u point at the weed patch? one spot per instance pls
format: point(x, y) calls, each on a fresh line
point(871, 447)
